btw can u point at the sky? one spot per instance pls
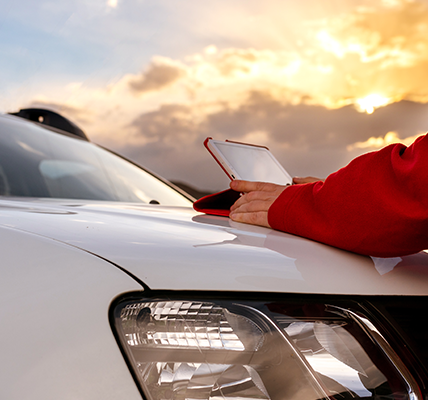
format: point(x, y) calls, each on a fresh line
point(318, 82)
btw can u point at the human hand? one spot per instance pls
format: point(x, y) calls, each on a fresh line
point(308, 179)
point(252, 207)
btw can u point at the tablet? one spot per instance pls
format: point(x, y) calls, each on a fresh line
point(247, 162)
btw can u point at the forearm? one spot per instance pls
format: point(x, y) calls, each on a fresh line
point(377, 205)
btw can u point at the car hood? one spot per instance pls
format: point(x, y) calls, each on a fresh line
point(171, 248)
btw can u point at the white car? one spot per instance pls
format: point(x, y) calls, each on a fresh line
point(106, 296)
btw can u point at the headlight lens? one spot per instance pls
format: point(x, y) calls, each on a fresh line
point(192, 349)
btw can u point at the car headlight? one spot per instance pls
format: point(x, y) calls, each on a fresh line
point(200, 349)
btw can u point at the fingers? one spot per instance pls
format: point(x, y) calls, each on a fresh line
point(254, 218)
point(308, 179)
point(247, 186)
point(252, 207)
point(254, 197)
point(246, 205)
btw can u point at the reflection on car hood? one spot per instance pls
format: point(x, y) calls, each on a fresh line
point(179, 249)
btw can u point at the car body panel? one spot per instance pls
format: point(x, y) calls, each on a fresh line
point(174, 248)
point(56, 339)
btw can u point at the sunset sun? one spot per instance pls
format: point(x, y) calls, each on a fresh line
point(369, 103)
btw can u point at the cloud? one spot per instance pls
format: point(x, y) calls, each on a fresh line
point(368, 57)
point(375, 143)
point(303, 126)
point(160, 74)
point(307, 139)
point(308, 100)
point(378, 51)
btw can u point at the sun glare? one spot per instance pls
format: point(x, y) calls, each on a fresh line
point(369, 103)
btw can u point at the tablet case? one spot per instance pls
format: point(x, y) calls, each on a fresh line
point(217, 203)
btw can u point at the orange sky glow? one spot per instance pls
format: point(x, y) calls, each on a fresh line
point(318, 84)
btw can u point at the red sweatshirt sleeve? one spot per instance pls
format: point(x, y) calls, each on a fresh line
point(377, 205)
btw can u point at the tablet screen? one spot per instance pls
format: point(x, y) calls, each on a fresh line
point(253, 163)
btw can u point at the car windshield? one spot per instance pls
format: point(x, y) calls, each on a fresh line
point(36, 162)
